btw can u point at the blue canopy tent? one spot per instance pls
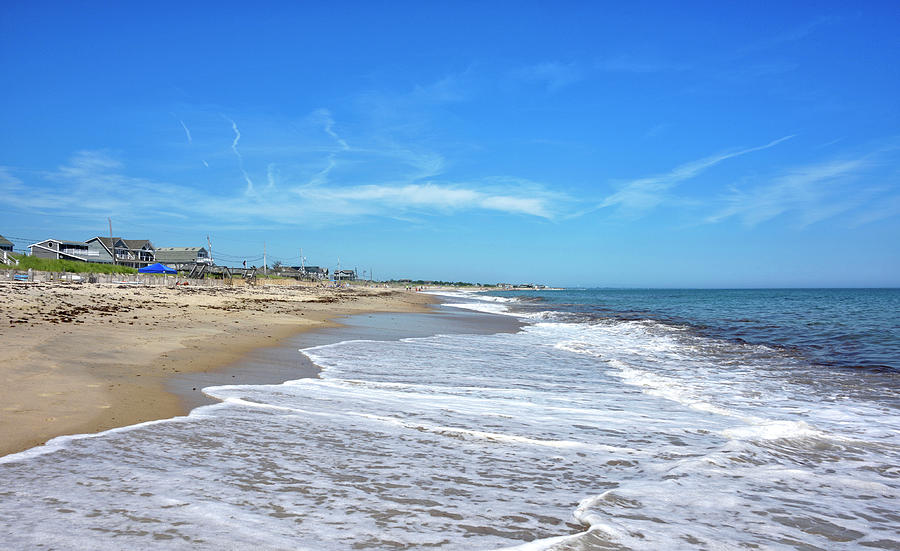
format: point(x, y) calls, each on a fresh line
point(156, 269)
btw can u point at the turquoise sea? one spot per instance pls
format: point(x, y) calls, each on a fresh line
point(830, 327)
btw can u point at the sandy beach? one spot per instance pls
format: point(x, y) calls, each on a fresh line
point(86, 358)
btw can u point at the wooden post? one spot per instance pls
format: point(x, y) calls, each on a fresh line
point(112, 243)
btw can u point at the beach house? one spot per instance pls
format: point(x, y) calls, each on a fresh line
point(140, 252)
point(6, 248)
point(344, 274)
point(315, 272)
point(60, 249)
point(182, 257)
point(136, 253)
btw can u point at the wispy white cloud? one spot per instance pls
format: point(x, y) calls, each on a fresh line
point(187, 132)
point(93, 182)
point(886, 207)
point(553, 75)
point(809, 193)
point(793, 34)
point(423, 164)
point(447, 89)
point(272, 176)
point(328, 121)
point(411, 112)
point(829, 143)
point(234, 148)
point(429, 196)
point(96, 183)
point(324, 118)
point(646, 193)
point(237, 138)
point(8, 181)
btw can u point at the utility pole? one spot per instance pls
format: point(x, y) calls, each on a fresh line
point(209, 244)
point(302, 264)
point(112, 243)
point(265, 265)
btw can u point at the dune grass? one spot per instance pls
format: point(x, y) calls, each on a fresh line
point(71, 266)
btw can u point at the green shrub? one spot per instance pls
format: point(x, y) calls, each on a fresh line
point(72, 266)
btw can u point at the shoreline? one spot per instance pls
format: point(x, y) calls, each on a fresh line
point(283, 361)
point(82, 359)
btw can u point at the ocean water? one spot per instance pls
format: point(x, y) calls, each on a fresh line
point(614, 420)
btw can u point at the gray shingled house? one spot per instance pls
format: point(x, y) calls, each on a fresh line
point(59, 249)
point(136, 253)
point(182, 257)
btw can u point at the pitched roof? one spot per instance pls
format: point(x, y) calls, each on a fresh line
point(179, 255)
point(106, 241)
point(60, 241)
point(137, 243)
point(180, 249)
point(133, 244)
point(5, 241)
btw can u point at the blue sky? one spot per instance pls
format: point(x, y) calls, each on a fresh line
point(621, 144)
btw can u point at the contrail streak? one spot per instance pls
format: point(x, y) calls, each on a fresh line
point(237, 138)
point(329, 124)
point(321, 177)
point(187, 132)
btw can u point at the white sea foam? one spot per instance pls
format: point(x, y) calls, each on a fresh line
point(486, 307)
point(476, 301)
point(773, 430)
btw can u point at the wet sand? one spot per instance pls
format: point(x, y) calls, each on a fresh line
point(83, 358)
point(285, 362)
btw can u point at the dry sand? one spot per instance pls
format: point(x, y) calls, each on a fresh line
point(86, 358)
